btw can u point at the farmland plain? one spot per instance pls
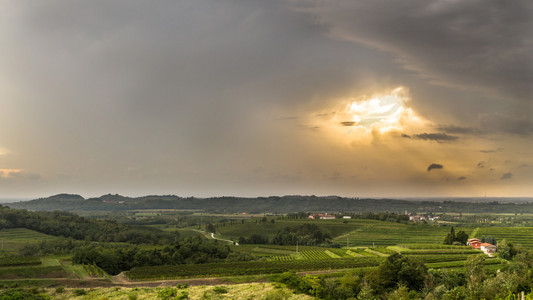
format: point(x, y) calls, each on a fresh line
point(355, 245)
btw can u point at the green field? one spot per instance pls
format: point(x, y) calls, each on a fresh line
point(11, 261)
point(14, 239)
point(32, 272)
point(352, 233)
point(370, 233)
point(516, 235)
point(247, 268)
point(364, 244)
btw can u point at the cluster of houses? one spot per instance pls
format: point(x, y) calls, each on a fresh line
point(322, 216)
point(421, 218)
point(487, 248)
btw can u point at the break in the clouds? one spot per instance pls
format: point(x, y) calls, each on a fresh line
point(230, 97)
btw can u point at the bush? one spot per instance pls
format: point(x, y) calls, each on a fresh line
point(80, 292)
point(60, 289)
point(133, 297)
point(182, 286)
point(183, 295)
point(22, 294)
point(167, 293)
point(220, 290)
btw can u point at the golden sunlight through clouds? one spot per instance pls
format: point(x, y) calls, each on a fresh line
point(360, 119)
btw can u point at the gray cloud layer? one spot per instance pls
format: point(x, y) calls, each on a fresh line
point(210, 96)
point(439, 137)
point(482, 44)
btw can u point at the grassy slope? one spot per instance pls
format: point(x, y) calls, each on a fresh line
point(14, 239)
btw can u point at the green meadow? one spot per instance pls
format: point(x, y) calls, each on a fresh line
point(13, 239)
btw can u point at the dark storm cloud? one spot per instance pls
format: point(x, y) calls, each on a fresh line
point(506, 176)
point(476, 43)
point(439, 137)
point(489, 151)
point(459, 130)
point(348, 123)
point(435, 166)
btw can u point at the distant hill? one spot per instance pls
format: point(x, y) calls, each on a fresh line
point(56, 202)
point(273, 204)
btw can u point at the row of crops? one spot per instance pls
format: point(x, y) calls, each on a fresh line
point(388, 234)
point(288, 263)
point(32, 272)
point(451, 251)
point(247, 268)
point(516, 235)
point(8, 261)
point(459, 263)
point(333, 253)
point(432, 246)
point(283, 257)
point(314, 254)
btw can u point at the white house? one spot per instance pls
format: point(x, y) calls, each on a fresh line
point(488, 249)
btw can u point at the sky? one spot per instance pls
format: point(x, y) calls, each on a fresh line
point(367, 98)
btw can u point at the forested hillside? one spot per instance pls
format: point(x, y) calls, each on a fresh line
point(274, 204)
point(69, 225)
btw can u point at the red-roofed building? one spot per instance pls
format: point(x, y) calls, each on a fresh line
point(474, 243)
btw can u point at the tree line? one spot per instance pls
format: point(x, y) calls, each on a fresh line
point(190, 250)
point(69, 225)
point(307, 234)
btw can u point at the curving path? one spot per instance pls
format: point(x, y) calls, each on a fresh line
point(229, 241)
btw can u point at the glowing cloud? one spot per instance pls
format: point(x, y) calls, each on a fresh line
point(381, 113)
point(376, 115)
point(6, 173)
point(3, 151)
